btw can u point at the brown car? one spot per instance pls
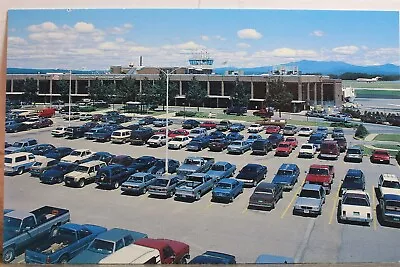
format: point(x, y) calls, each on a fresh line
point(266, 195)
point(342, 143)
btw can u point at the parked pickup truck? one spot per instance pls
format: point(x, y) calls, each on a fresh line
point(21, 229)
point(388, 184)
point(195, 186)
point(195, 164)
point(71, 239)
point(322, 175)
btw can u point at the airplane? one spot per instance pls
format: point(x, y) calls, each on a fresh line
point(368, 80)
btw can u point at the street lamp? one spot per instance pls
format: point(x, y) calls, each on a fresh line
point(69, 98)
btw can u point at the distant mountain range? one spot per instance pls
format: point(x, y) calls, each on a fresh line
point(305, 66)
point(323, 67)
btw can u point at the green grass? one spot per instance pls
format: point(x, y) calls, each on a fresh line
point(368, 151)
point(388, 137)
point(377, 93)
point(387, 85)
point(309, 123)
point(387, 146)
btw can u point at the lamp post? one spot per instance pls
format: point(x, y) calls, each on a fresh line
point(69, 98)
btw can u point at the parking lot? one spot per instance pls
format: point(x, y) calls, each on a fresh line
point(205, 225)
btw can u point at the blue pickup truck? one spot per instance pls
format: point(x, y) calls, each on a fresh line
point(70, 240)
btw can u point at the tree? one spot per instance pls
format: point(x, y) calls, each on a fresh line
point(127, 90)
point(148, 95)
point(63, 87)
point(278, 95)
point(361, 131)
point(94, 90)
point(240, 95)
point(160, 90)
point(30, 89)
point(196, 93)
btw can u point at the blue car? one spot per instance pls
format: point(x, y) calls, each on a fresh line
point(253, 137)
point(58, 153)
point(198, 144)
point(213, 257)
point(233, 136)
point(322, 130)
point(287, 175)
point(237, 127)
point(227, 189)
point(56, 174)
point(316, 139)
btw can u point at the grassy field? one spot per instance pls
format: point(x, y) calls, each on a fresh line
point(387, 146)
point(368, 151)
point(387, 85)
point(388, 137)
point(377, 93)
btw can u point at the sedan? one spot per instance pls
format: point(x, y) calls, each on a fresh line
point(198, 144)
point(255, 128)
point(275, 139)
point(252, 174)
point(237, 127)
point(42, 123)
point(272, 129)
point(56, 174)
point(138, 183)
point(239, 147)
point(162, 122)
point(179, 132)
point(190, 124)
point(266, 195)
point(122, 160)
point(208, 125)
point(159, 166)
point(164, 186)
point(293, 141)
point(356, 207)
point(227, 189)
point(283, 149)
point(305, 131)
point(41, 149)
point(354, 180)
point(253, 137)
point(146, 120)
point(58, 153)
point(219, 144)
point(233, 136)
point(380, 156)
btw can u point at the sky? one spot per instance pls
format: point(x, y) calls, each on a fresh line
point(97, 39)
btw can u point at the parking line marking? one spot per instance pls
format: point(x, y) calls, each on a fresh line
point(209, 205)
point(291, 202)
point(335, 206)
point(21, 261)
point(374, 208)
point(245, 210)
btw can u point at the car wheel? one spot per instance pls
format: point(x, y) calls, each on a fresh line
point(255, 183)
point(8, 255)
point(20, 171)
point(64, 259)
point(115, 185)
point(198, 195)
point(53, 231)
point(273, 206)
point(81, 183)
point(184, 260)
point(241, 191)
point(231, 199)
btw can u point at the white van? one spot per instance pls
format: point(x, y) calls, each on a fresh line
point(121, 136)
point(133, 254)
point(18, 163)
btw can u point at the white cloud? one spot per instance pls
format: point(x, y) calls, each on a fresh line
point(139, 49)
point(219, 37)
point(288, 52)
point(184, 46)
point(109, 46)
point(120, 40)
point(14, 40)
point(205, 38)
point(346, 50)
point(45, 26)
point(249, 34)
point(317, 33)
point(128, 26)
point(84, 27)
point(364, 47)
point(243, 45)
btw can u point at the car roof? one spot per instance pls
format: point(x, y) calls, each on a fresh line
point(13, 155)
point(141, 174)
point(391, 197)
point(227, 180)
point(72, 226)
point(266, 185)
point(116, 234)
point(252, 165)
point(390, 177)
point(355, 147)
point(221, 163)
point(26, 139)
point(81, 150)
point(381, 151)
point(288, 166)
point(92, 163)
point(313, 187)
point(355, 193)
point(308, 144)
point(267, 258)
point(284, 143)
point(354, 172)
point(18, 214)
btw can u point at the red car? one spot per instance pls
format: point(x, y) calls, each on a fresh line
point(272, 129)
point(179, 132)
point(162, 131)
point(283, 149)
point(292, 141)
point(42, 123)
point(47, 112)
point(208, 125)
point(97, 117)
point(380, 156)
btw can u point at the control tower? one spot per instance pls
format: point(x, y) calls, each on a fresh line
point(200, 63)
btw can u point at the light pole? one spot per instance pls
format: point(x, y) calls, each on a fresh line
point(69, 98)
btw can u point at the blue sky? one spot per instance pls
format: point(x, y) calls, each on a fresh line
point(244, 38)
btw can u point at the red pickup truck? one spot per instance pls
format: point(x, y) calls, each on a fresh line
point(322, 175)
point(171, 251)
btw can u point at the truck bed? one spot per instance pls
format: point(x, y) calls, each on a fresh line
point(47, 213)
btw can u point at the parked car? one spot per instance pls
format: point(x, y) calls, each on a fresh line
point(316, 139)
point(159, 166)
point(353, 180)
point(223, 125)
point(322, 130)
point(253, 137)
point(58, 152)
point(266, 195)
point(178, 142)
point(354, 153)
point(237, 127)
point(283, 149)
point(102, 156)
point(59, 131)
point(142, 164)
point(198, 132)
point(305, 131)
point(157, 140)
point(239, 111)
point(255, 128)
point(47, 113)
point(103, 135)
point(195, 186)
point(42, 164)
point(322, 175)
point(233, 136)
point(112, 176)
point(270, 129)
point(227, 189)
point(141, 136)
point(123, 160)
point(293, 141)
point(21, 146)
point(18, 163)
point(239, 147)
point(89, 134)
point(77, 156)
point(41, 149)
point(85, 117)
point(388, 184)
point(329, 150)
point(22, 229)
point(218, 145)
point(252, 174)
point(275, 139)
point(198, 144)
point(190, 124)
point(337, 132)
point(216, 135)
point(74, 132)
point(310, 200)
point(70, 240)
point(389, 207)
point(287, 175)
point(208, 125)
point(289, 130)
point(221, 169)
point(165, 186)
point(14, 127)
point(138, 183)
point(213, 257)
point(105, 244)
point(380, 156)
point(146, 120)
point(84, 174)
point(342, 143)
point(195, 165)
point(162, 122)
point(355, 207)
point(179, 132)
point(121, 136)
point(57, 173)
point(42, 123)
point(261, 146)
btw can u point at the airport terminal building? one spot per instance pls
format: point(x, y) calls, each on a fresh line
point(306, 89)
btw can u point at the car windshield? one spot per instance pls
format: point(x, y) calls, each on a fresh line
point(224, 186)
point(37, 164)
point(254, 125)
point(237, 143)
point(306, 147)
point(161, 182)
point(353, 151)
point(304, 129)
point(155, 137)
point(178, 139)
point(314, 138)
point(285, 172)
point(195, 131)
point(392, 205)
point(101, 246)
point(117, 134)
point(11, 223)
point(354, 179)
point(253, 137)
point(136, 179)
point(8, 160)
point(318, 171)
point(18, 144)
point(391, 184)
point(273, 137)
point(284, 145)
point(59, 128)
point(267, 191)
point(381, 153)
point(309, 193)
point(356, 201)
point(218, 168)
point(249, 169)
point(82, 169)
point(76, 153)
point(198, 179)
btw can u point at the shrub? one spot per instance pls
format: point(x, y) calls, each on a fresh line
point(398, 157)
point(344, 124)
point(185, 114)
point(361, 131)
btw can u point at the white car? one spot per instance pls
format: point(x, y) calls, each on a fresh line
point(59, 132)
point(307, 151)
point(255, 128)
point(197, 132)
point(388, 184)
point(305, 131)
point(178, 142)
point(356, 206)
point(31, 121)
point(85, 117)
point(78, 155)
point(157, 140)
